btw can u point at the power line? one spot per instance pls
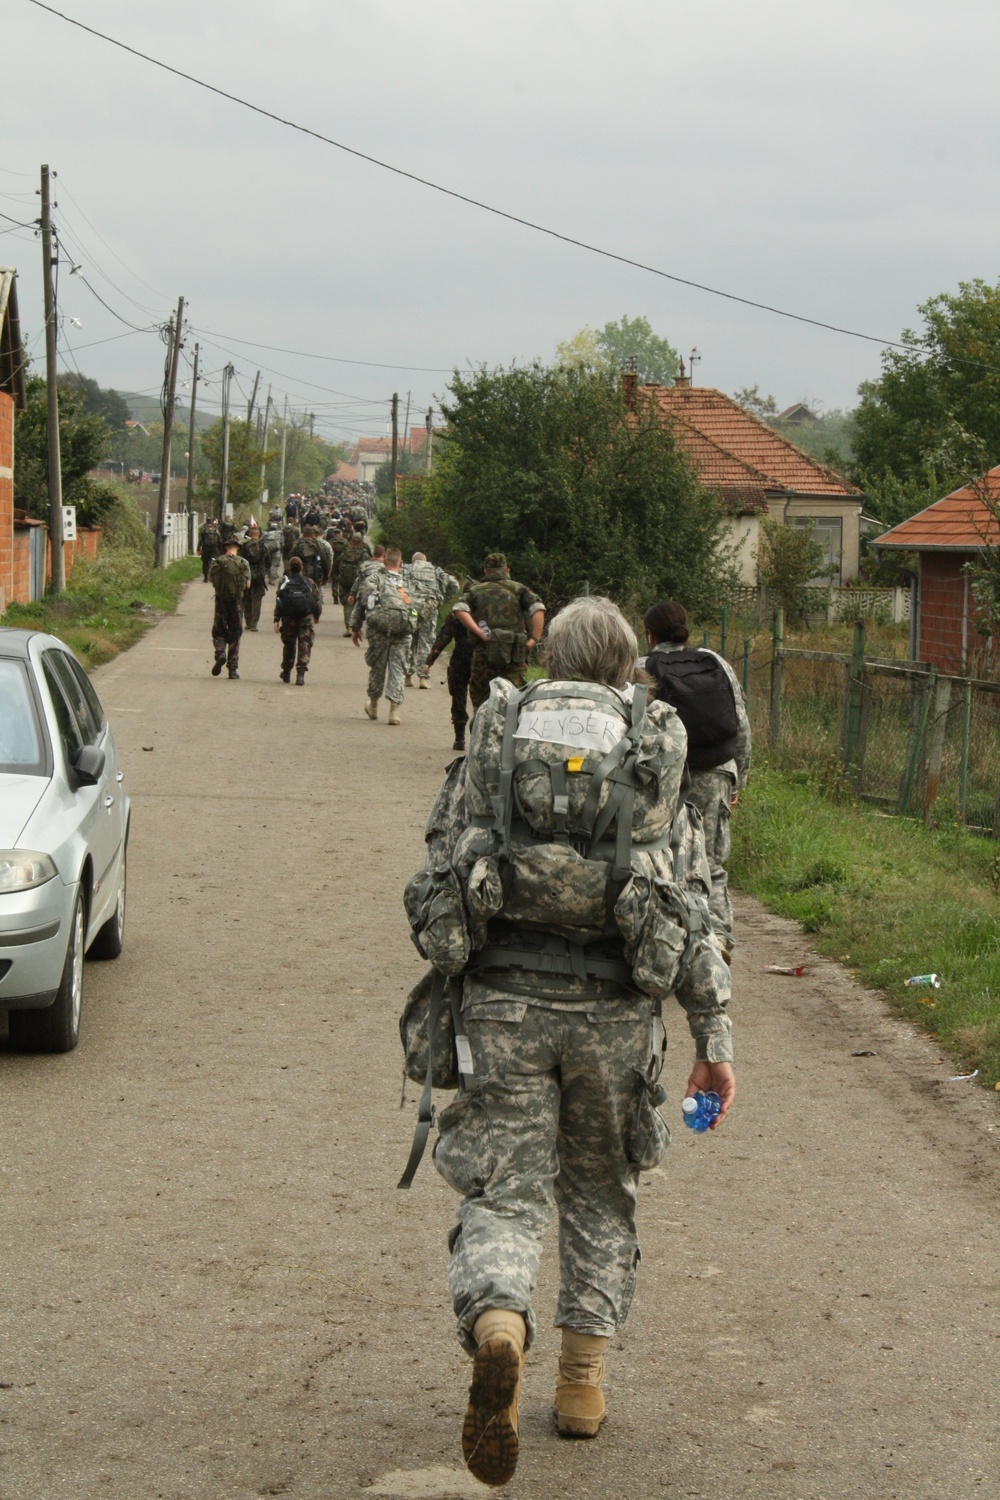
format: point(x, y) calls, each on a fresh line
point(124, 264)
point(331, 358)
point(489, 208)
point(87, 255)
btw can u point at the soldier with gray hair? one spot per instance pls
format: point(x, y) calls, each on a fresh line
point(578, 889)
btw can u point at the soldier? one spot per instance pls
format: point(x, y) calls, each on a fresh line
point(385, 606)
point(459, 666)
point(254, 550)
point(297, 607)
point(493, 612)
point(308, 548)
point(337, 542)
point(230, 577)
point(209, 545)
point(562, 1022)
point(430, 587)
point(706, 692)
point(356, 552)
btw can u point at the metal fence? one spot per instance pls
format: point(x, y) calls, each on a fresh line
point(913, 741)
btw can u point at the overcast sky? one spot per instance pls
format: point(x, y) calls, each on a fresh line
point(839, 160)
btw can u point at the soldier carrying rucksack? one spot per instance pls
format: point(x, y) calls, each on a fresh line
point(387, 610)
point(707, 695)
point(307, 547)
point(494, 613)
point(230, 577)
point(297, 606)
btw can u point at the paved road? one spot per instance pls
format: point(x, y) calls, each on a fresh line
point(211, 1287)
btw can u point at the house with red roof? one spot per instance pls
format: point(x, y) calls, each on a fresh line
point(758, 472)
point(946, 537)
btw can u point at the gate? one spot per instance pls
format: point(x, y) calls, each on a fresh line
point(36, 562)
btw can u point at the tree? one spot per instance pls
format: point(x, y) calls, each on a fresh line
point(789, 560)
point(245, 455)
point(83, 438)
point(551, 467)
point(308, 460)
point(95, 401)
point(614, 346)
point(764, 408)
point(947, 377)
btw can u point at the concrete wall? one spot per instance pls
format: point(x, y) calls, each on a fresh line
point(6, 500)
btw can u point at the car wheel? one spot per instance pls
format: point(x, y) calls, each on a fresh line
point(111, 938)
point(57, 1027)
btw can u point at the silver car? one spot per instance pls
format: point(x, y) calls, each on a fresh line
point(64, 824)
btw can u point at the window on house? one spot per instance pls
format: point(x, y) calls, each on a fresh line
point(827, 532)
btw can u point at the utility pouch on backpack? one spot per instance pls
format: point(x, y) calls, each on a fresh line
point(653, 917)
point(434, 905)
point(506, 648)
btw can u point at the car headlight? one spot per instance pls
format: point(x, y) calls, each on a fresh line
point(20, 869)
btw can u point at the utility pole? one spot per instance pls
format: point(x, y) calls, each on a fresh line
point(312, 420)
point(227, 376)
point(163, 499)
point(395, 446)
point(430, 438)
point(263, 444)
point(194, 394)
point(284, 434)
point(52, 393)
point(253, 398)
point(406, 423)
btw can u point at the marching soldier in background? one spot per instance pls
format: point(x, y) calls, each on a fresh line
point(254, 550)
point(209, 545)
point(459, 667)
point(493, 612)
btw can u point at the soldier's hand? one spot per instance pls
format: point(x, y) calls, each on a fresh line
point(720, 1077)
point(356, 637)
point(277, 628)
point(531, 643)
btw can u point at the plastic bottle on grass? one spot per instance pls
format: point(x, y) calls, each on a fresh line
point(699, 1110)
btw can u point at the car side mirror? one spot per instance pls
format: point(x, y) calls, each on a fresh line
point(88, 766)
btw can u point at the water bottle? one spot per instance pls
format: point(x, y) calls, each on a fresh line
point(700, 1110)
point(485, 630)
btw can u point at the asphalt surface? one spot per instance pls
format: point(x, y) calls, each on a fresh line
point(211, 1286)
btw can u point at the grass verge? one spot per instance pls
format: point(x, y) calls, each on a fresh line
point(104, 611)
point(886, 896)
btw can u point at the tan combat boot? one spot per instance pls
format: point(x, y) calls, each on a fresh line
point(371, 708)
point(579, 1399)
point(394, 713)
point(489, 1433)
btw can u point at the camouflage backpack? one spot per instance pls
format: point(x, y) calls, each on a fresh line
point(230, 580)
point(312, 557)
point(390, 610)
point(422, 578)
point(496, 601)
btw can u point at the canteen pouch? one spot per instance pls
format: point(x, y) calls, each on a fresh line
point(434, 905)
point(506, 648)
point(484, 895)
point(413, 1027)
point(648, 1134)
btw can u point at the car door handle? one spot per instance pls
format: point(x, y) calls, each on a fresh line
point(120, 776)
point(109, 802)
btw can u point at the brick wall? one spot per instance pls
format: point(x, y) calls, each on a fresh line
point(86, 545)
point(6, 500)
point(944, 599)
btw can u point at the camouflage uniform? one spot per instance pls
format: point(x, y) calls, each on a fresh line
point(227, 622)
point(430, 587)
point(355, 554)
point(562, 1109)
point(254, 550)
point(504, 605)
point(386, 658)
point(711, 792)
point(298, 636)
point(338, 546)
point(209, 545)
point(459, 665)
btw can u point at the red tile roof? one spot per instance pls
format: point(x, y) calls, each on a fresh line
point(733, 449)
point(961, 521)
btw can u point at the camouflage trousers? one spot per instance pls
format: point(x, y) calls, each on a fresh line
point(420, 646)
point(711, 792)
point(227, 627)
point(387, 665)
point(252, 600)
point(296, 635)
point(562, 1115)
point(348, 609)
point(481, 674)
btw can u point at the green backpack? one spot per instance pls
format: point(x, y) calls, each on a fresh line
point(497, 602)
point(230, 580)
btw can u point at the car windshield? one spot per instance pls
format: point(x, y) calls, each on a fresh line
point(20, 737)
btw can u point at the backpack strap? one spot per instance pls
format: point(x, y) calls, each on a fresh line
point(425, 1109)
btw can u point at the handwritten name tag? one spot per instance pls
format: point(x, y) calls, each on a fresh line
point(584, 729)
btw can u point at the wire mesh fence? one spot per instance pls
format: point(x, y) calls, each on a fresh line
point(900, 735)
